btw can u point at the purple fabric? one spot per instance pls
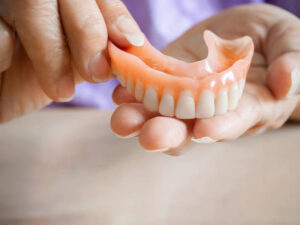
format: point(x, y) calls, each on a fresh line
point(162, 22)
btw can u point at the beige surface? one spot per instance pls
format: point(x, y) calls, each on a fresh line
point(67, 167)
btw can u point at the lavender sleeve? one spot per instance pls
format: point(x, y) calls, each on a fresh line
point(156, 19)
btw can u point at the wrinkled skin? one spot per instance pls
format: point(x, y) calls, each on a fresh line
point(263, 106)
point(47, 46)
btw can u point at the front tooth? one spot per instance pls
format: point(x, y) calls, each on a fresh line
point(121, 79)
point(166, 106)
point(241, 87)
point(233, 97)
point(206, 105)
point(185, 106)
point(151, 99)
point(129, 85)
point(221, 102)
point(139, 91)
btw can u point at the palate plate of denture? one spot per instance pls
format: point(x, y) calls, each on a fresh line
point(202, 89)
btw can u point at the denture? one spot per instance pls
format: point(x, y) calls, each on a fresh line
point(185, 90)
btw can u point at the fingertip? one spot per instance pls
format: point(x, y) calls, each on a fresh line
point(283, 76)
point(99, 68)
point(206, 130)
point(122, 28)
point(7, 46)
point(128, 119)
point(278, 79)
point(65, 89)
point(128, 28)
point(61, 90)
point(121, 95)
point(163, 134)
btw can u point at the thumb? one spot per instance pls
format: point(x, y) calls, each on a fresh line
point(283, 54)
point(122, 28)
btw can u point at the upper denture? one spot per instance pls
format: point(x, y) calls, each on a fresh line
point(186, 90)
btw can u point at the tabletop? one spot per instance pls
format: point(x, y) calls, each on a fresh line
point(67, 167)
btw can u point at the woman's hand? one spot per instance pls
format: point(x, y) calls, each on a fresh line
point(46, 46)
point(270, 94)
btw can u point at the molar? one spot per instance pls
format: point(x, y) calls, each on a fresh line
point(166, 106)
point(205, 105)
point(221, 102)
point(151, 99)
point(185, 106)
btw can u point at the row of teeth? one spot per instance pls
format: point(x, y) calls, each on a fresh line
point(207, 105)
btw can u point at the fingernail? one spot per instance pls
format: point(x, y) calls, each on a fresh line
point(295, 83)
point(158, 150)
point(134, 134)
point(135, 39)
point(66, 99)
point(100, 80)
point(65, 89)
point(131, 31)
point(204, 140)
point(99, 68)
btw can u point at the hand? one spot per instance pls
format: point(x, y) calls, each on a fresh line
point(48, 46)
point(275, 33)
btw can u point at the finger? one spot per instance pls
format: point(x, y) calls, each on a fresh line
point(163, 134)
point(121, 95)
point(7, 46)
point(122, 28)
point(87, 38)
point(283, 77)
point(256, 112)
point(228, 126)
point(38, 26)
point(128, 119)
point(283, 55)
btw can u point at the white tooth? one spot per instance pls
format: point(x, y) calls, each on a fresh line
point(129, 85)
point(151, 99)
point(206, 105)
point(139, 91)
point(221, 102)
point(166, 106)
point(185, 106)
point(241, 87)
point(233, 97)
point(121, 79)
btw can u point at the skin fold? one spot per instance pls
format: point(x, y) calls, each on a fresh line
point(263, 106)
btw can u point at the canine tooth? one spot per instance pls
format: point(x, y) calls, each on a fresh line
point(206, 105)
point(233, 97)
point(151, 99)
point(185, 106)
point(241, 87)
point(221, 102)
point(166, 106)
point(129, 85)
point(121, 79)
point(139, 91)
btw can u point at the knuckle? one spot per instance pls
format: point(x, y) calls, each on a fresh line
point(53, 60)
point(92, 24)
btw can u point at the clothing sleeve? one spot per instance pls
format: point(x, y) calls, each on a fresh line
point(291, 5)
